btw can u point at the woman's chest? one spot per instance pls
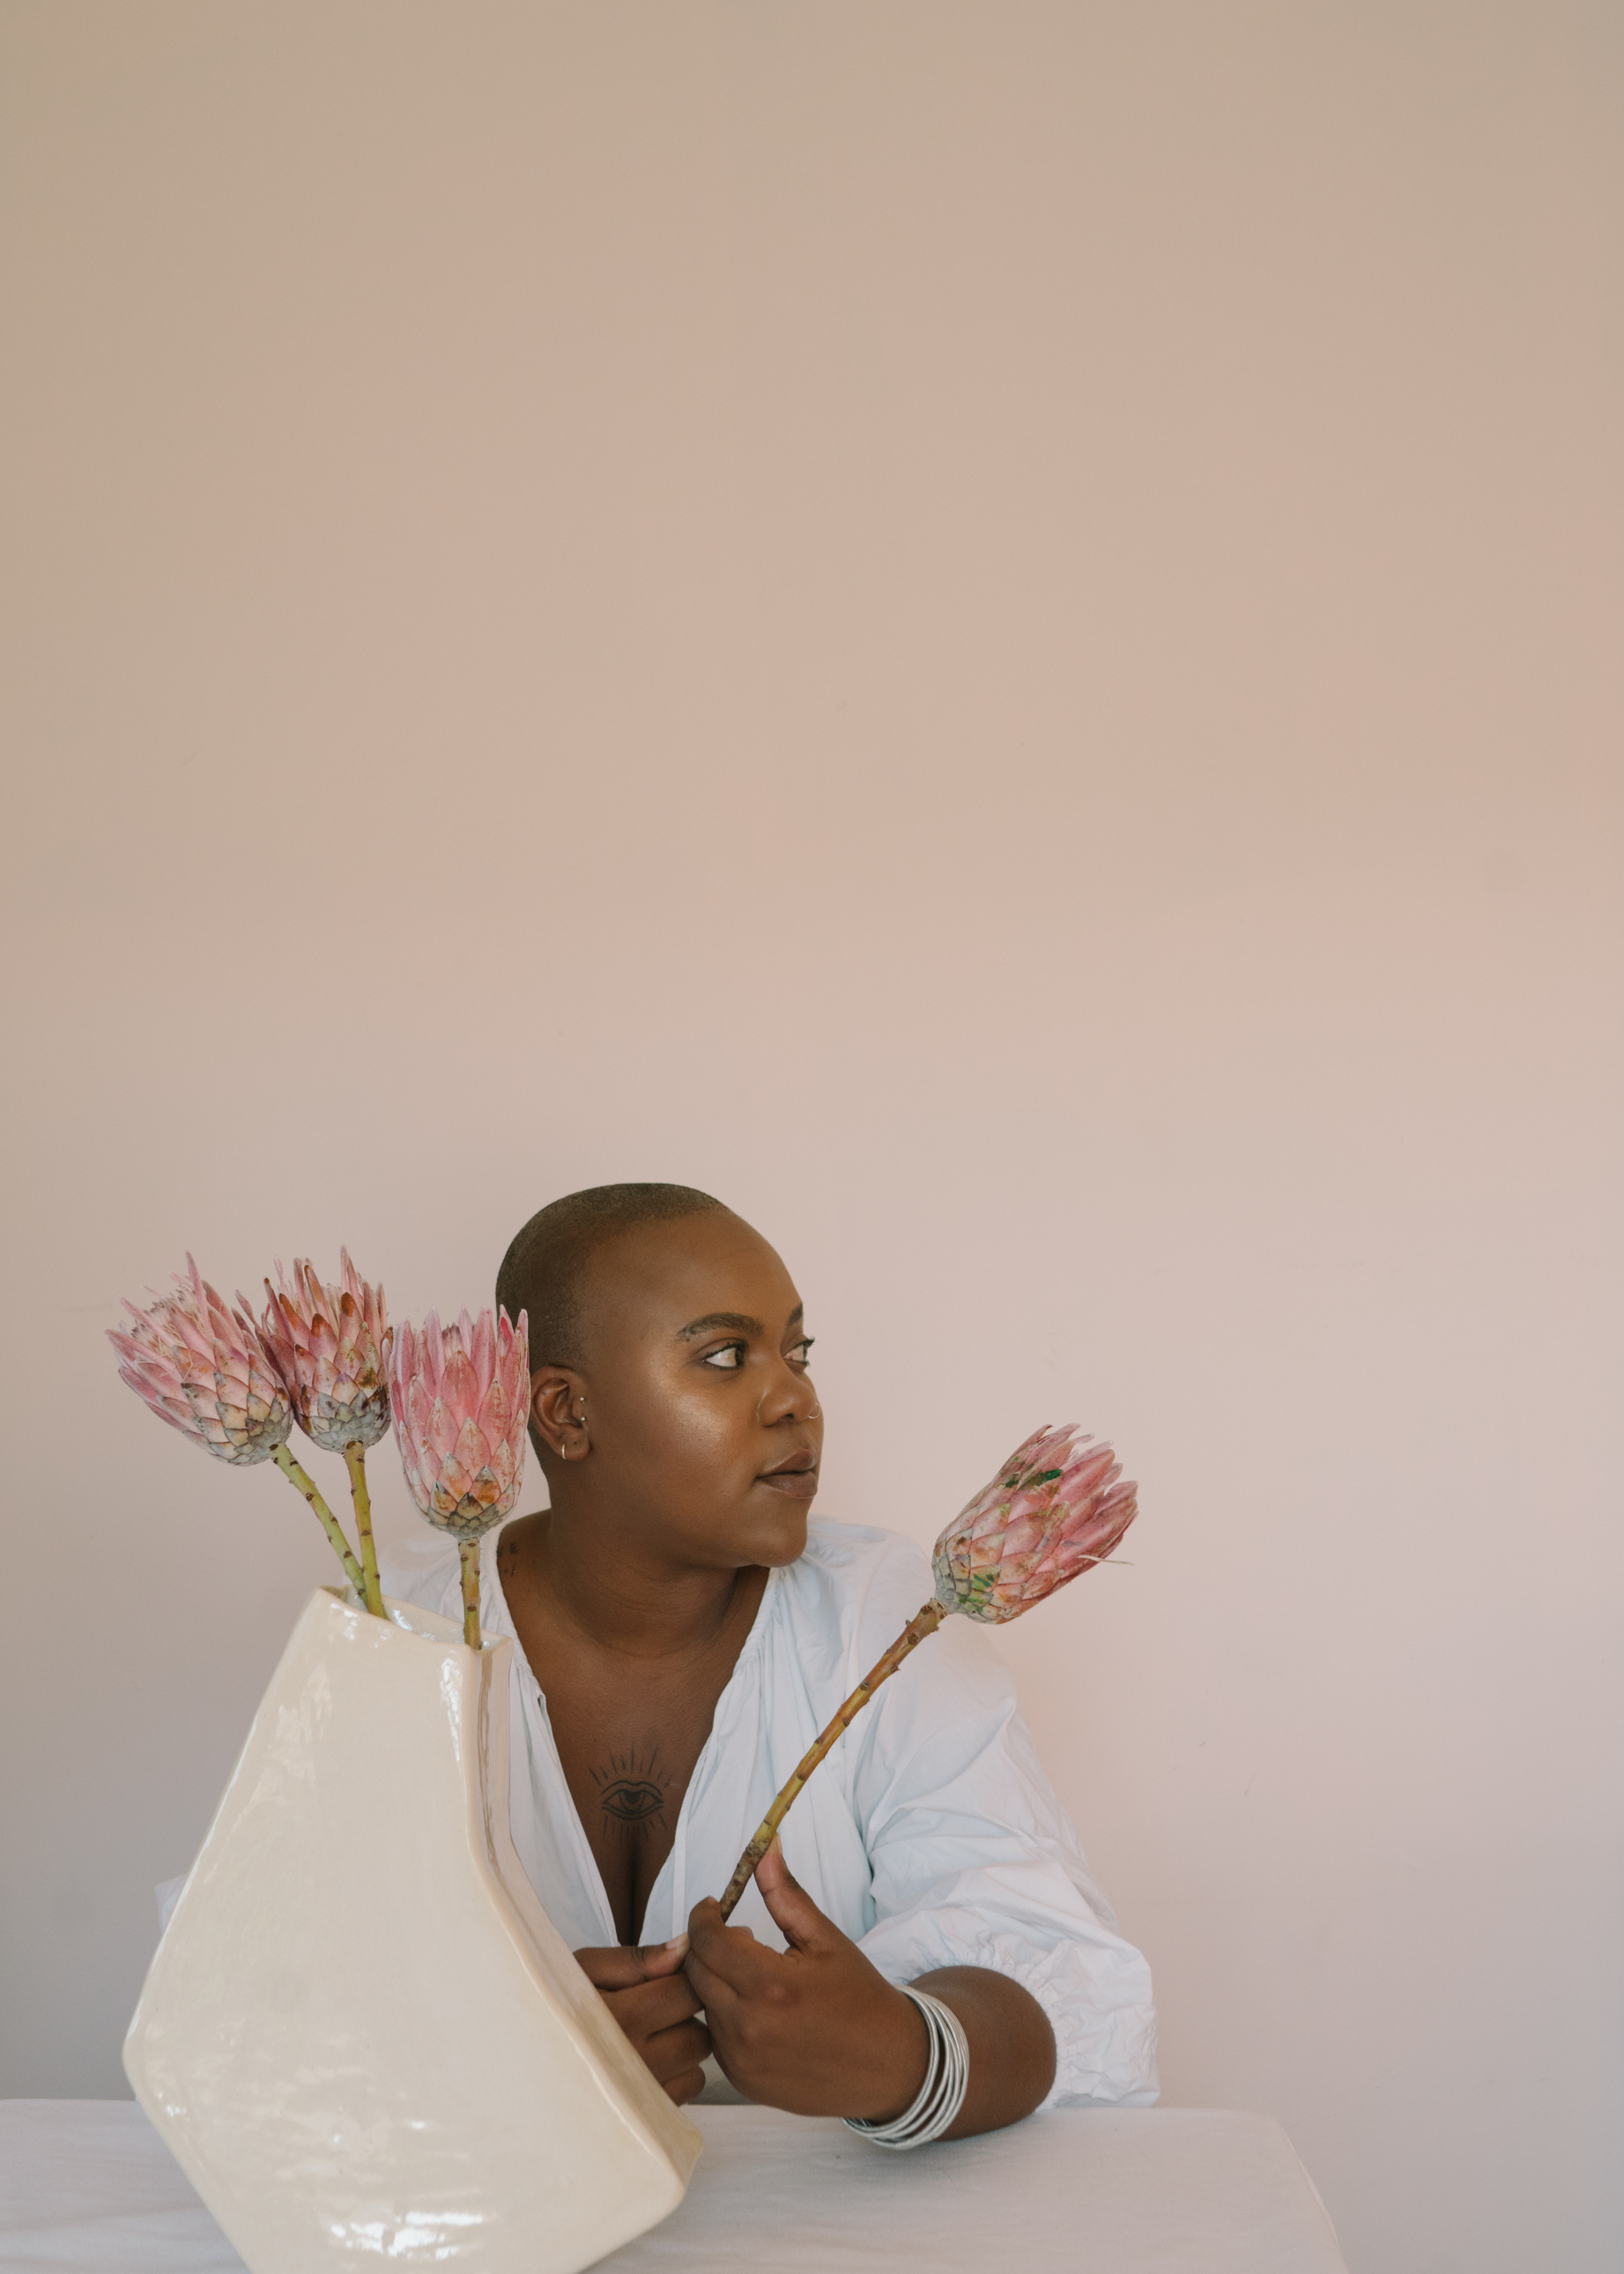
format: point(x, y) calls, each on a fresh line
point(627, 1760)
point(628, 1730)
point(654, 1767)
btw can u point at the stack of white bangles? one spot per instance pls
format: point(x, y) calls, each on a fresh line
point(942, 2095)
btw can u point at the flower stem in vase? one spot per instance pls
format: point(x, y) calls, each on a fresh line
point(355, 1461)
point(924, 1622)
point(468, 1551)
point(325, 1517)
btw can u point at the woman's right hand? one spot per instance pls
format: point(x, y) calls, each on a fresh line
point(655, 2004)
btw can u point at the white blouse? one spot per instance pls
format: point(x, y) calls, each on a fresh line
point(930, 1836)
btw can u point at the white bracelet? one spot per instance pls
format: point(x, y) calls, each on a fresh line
point(942, 2095)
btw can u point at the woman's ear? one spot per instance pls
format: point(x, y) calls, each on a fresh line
point(557, 1413)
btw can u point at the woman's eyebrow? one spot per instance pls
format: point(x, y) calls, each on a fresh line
point(736, 1320)
point(739, 1321)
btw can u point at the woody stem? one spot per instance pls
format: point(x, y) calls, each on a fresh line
point(925, 1623)
point(355, 1461)
point(325, 1517)
point(468, 1552)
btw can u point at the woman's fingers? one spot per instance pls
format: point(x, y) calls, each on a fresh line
point(686, 2086)
point(717, 1997)
point(624, 1967)
point(672, 2053)
point(792, 1910)
point(654, 2006)
point(725, 1959)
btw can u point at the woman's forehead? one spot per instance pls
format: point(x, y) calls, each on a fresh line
point(676, 1278)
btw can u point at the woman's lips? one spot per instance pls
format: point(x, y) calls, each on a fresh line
point(795, 1484)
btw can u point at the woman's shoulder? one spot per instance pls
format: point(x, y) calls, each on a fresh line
point(858, 1578)
point(850, 1556)
point(847, 1600)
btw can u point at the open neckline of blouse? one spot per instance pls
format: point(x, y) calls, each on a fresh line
point(748, 1649)
point(722, 1715)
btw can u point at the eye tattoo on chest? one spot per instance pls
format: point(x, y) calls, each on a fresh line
point(632, 1788)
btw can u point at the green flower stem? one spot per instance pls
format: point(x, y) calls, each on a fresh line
point(325, 1517)
point(355, 1461)
point(468, 1551)
point(924, 1622)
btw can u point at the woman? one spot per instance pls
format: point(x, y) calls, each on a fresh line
point(681, 1632)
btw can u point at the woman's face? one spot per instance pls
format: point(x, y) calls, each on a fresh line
point(704, 1430)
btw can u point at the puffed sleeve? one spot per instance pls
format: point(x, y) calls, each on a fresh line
point(975, 1862)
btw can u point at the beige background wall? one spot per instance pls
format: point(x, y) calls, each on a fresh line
point(993, 630)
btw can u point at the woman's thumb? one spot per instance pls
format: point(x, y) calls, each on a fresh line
point(792, 1910)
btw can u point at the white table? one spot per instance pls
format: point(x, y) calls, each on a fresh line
point(88, 2187)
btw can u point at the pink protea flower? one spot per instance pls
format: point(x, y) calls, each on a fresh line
point(201, 1368)
point(461, 1399)
point(1054, 1511)
point(461, 1396)
point(330, 1345)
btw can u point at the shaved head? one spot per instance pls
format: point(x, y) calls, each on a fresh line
point(544, 1271)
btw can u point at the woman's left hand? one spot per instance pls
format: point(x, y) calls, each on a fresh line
point(815, 2029)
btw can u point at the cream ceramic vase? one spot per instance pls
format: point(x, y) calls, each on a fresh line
point(361, 2036)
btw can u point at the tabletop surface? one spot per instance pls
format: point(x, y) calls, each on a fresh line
point(88, 2187)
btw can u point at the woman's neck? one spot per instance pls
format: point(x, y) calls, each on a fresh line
point(611, 1598)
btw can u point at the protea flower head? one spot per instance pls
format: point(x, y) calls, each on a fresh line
point(1054, 1511)
point(330, 1345)
point(202, 1367)
point(462, 1398)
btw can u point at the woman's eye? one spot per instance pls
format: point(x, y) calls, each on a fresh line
point(800, 1352)
point(728, 1359)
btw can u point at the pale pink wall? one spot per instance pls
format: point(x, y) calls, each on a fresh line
point(992, 631)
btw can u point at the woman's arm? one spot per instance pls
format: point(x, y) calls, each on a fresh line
point(1011, 2046)
point(818, 2029)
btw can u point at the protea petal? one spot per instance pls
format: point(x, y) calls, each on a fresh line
point(493, 1412)
point(480, 1342)
point(1054, 1511)
point(461, 1400)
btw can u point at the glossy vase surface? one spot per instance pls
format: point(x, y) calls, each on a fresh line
point(361, 2036)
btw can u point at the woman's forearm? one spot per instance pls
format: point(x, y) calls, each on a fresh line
point(1012, 2045)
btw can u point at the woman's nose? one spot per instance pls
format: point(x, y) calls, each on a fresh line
point(789, 1396)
